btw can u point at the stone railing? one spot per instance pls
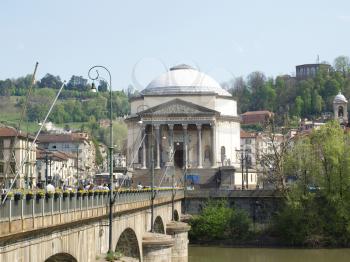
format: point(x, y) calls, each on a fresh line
point(29, 214)
point(217, 193)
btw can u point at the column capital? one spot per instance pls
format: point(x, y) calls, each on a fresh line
point(171, 126)
point(156, 126)
point(199, 126)
point(184, 126)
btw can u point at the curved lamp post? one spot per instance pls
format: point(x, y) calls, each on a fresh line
point(95, 76)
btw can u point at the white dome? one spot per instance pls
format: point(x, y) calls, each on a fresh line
point(340, 98)
point(184, 79)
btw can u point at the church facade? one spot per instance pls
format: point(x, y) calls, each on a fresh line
point(187, 120)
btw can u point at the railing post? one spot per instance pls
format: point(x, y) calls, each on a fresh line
point(22, 209)
point(42, 211)
point(10, 210)
point(68, 199)
point(81, 206)
point(52, 210)
point(60, 207)
point(33, 211)
point(42, 206)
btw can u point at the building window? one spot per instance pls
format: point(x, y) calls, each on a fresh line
point(1, 167)
point(248, 141)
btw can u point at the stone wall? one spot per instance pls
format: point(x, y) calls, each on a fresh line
point(261, 205)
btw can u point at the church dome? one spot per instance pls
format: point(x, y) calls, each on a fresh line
point(340, 98)
point(184, 79)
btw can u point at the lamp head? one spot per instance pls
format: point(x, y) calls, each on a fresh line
point(93, 88)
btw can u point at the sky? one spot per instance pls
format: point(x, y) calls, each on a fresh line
point(139, 40)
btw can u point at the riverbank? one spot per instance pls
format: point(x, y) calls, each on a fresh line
point(263, 241)
point(228, 254)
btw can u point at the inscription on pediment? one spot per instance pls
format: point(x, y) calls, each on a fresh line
point(178, 109)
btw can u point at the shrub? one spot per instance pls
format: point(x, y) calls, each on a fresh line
point(217, 221)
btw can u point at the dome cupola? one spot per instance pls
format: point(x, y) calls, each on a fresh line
point(184, 79)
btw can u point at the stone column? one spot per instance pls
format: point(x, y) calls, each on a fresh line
point(179, 232)
point(157, 146)
point(144, 148)
point(199, 153)
point(184, 126)
point(171, 142)
point(213, 144)
point(157, 247)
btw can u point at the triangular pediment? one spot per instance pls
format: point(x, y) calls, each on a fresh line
point(177, 107)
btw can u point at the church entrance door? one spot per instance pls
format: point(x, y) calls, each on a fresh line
point(179, 154)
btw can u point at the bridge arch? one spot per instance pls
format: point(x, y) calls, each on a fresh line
point(61, 257)
point(159, 225)
point(176, 215)
point(128, 245)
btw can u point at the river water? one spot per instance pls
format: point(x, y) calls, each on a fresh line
point(222, 254)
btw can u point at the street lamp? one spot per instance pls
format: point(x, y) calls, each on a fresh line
point(111, 198)
point(243, 159)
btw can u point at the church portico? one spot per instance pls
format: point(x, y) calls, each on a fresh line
point(187, 121)
point(178, 144)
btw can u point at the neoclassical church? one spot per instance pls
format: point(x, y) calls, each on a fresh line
point(187, 120)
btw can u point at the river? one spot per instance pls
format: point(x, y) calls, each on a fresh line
point(223, 254)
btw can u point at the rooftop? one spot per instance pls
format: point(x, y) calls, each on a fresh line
point(7, 131)
point(63, 138)
point(263, 112)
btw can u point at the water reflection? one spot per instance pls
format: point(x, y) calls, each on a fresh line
point(222, 254)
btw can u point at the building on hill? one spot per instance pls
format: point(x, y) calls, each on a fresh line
point(310, 70)
point(256, 117)
point(192, 123)
point(340, 107)
point(308, 125)
point(60, 167)
point(78, 144)
point(16, 149)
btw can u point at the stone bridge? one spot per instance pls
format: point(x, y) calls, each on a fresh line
point(76, 228)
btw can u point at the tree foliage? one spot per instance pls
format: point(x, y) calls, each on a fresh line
point(217, 221)
point(286, 95)
point(317, 207)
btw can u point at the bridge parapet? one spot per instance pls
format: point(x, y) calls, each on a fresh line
point(216, 193)
point(18, 216)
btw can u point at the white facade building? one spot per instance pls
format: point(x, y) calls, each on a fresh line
point(60, 167)
point(77, 144)
point(189, 119)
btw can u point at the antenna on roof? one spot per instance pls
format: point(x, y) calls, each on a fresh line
point(318, 59)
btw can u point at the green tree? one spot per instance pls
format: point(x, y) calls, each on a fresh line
point(342, 64)
point(50, 81)
point(317, 207)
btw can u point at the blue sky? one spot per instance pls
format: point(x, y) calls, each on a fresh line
point(138, 40)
